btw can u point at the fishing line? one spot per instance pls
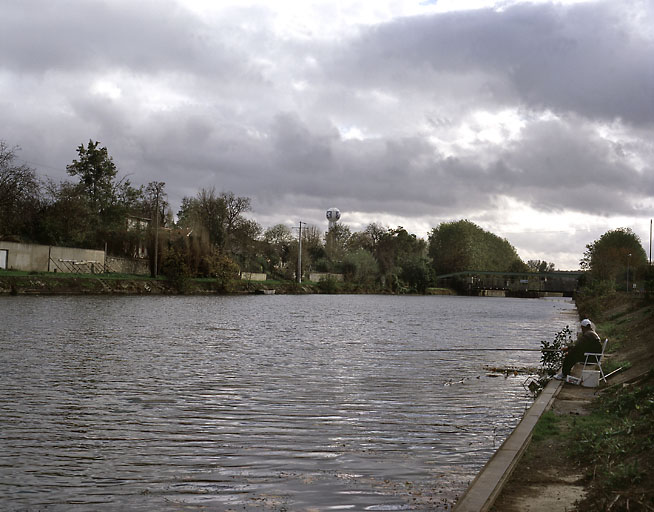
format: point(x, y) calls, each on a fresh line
point(471, 350)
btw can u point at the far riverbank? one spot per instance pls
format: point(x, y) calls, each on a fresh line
point(46, 283)
point(51, 283)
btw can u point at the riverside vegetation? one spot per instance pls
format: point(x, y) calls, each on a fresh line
point(608, 448)
point(615, 442)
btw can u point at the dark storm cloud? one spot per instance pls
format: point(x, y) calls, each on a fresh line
point(558, 165)
point(586, 58)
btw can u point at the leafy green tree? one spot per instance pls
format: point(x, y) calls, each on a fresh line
point(462, 245)
point(615, 252)
point(215, 264)
point(174, 266)
point(451, 247)
point(186, 255)
point(411, 260)
point(20, 196)
point(415, 273)
point(97, 172)
point(385, 252)
point(374, 232)
point(540, 266)
point(399, 255)
point(360, 267)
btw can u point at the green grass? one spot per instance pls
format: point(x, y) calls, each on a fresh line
point(614, 331)
point(10, 273)
point(609, 364)
point(619, 427)
point(615, 440)
point(548, 426)
point(63, 275)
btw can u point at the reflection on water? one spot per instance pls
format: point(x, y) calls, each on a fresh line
point(257, 403)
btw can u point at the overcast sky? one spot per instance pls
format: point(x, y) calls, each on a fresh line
point(535, 120)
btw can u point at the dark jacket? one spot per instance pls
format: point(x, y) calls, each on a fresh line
point(589, 341)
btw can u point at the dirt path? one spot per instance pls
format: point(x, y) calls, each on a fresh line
point(540, 482)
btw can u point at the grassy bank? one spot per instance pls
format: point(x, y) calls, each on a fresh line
point(49, 283)
point(612, 445)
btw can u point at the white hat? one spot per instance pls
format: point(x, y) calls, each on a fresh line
point(586, 323)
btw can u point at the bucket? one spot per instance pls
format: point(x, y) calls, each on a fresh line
point(590, 378)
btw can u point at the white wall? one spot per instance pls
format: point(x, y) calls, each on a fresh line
point(45, 258)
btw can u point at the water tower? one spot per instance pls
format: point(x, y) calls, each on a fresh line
point(333, 214)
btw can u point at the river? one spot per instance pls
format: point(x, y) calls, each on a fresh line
point(275, 403)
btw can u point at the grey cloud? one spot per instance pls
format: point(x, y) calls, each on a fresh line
point(404, 175)
point(142, 37)
point(556, 166)
point(565, 165)
point(553, 168)
point(585, 58)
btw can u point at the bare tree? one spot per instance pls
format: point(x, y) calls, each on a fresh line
point(19, 195)
point(236, 207)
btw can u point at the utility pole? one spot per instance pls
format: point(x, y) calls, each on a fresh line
point(299, 253)
point(156, 234)
point(158, 187)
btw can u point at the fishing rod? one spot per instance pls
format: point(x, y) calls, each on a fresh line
point(475, 349)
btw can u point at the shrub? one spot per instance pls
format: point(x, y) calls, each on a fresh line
point(551, 355)
point(328, 285)
point(175, 269)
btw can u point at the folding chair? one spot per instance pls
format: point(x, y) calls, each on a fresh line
point(594, 358)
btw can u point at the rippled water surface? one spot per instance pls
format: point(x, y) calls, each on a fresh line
point(308, 403)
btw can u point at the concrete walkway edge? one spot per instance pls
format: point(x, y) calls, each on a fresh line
point(484, 489)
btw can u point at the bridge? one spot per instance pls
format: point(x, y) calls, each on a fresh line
point(520, 284)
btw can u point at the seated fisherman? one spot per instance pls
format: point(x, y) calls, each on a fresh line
point(588, 341)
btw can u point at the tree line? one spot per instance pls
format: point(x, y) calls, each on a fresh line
point(213, 237)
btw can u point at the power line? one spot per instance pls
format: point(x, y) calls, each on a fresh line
point(42, 165)
point(471, 349)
